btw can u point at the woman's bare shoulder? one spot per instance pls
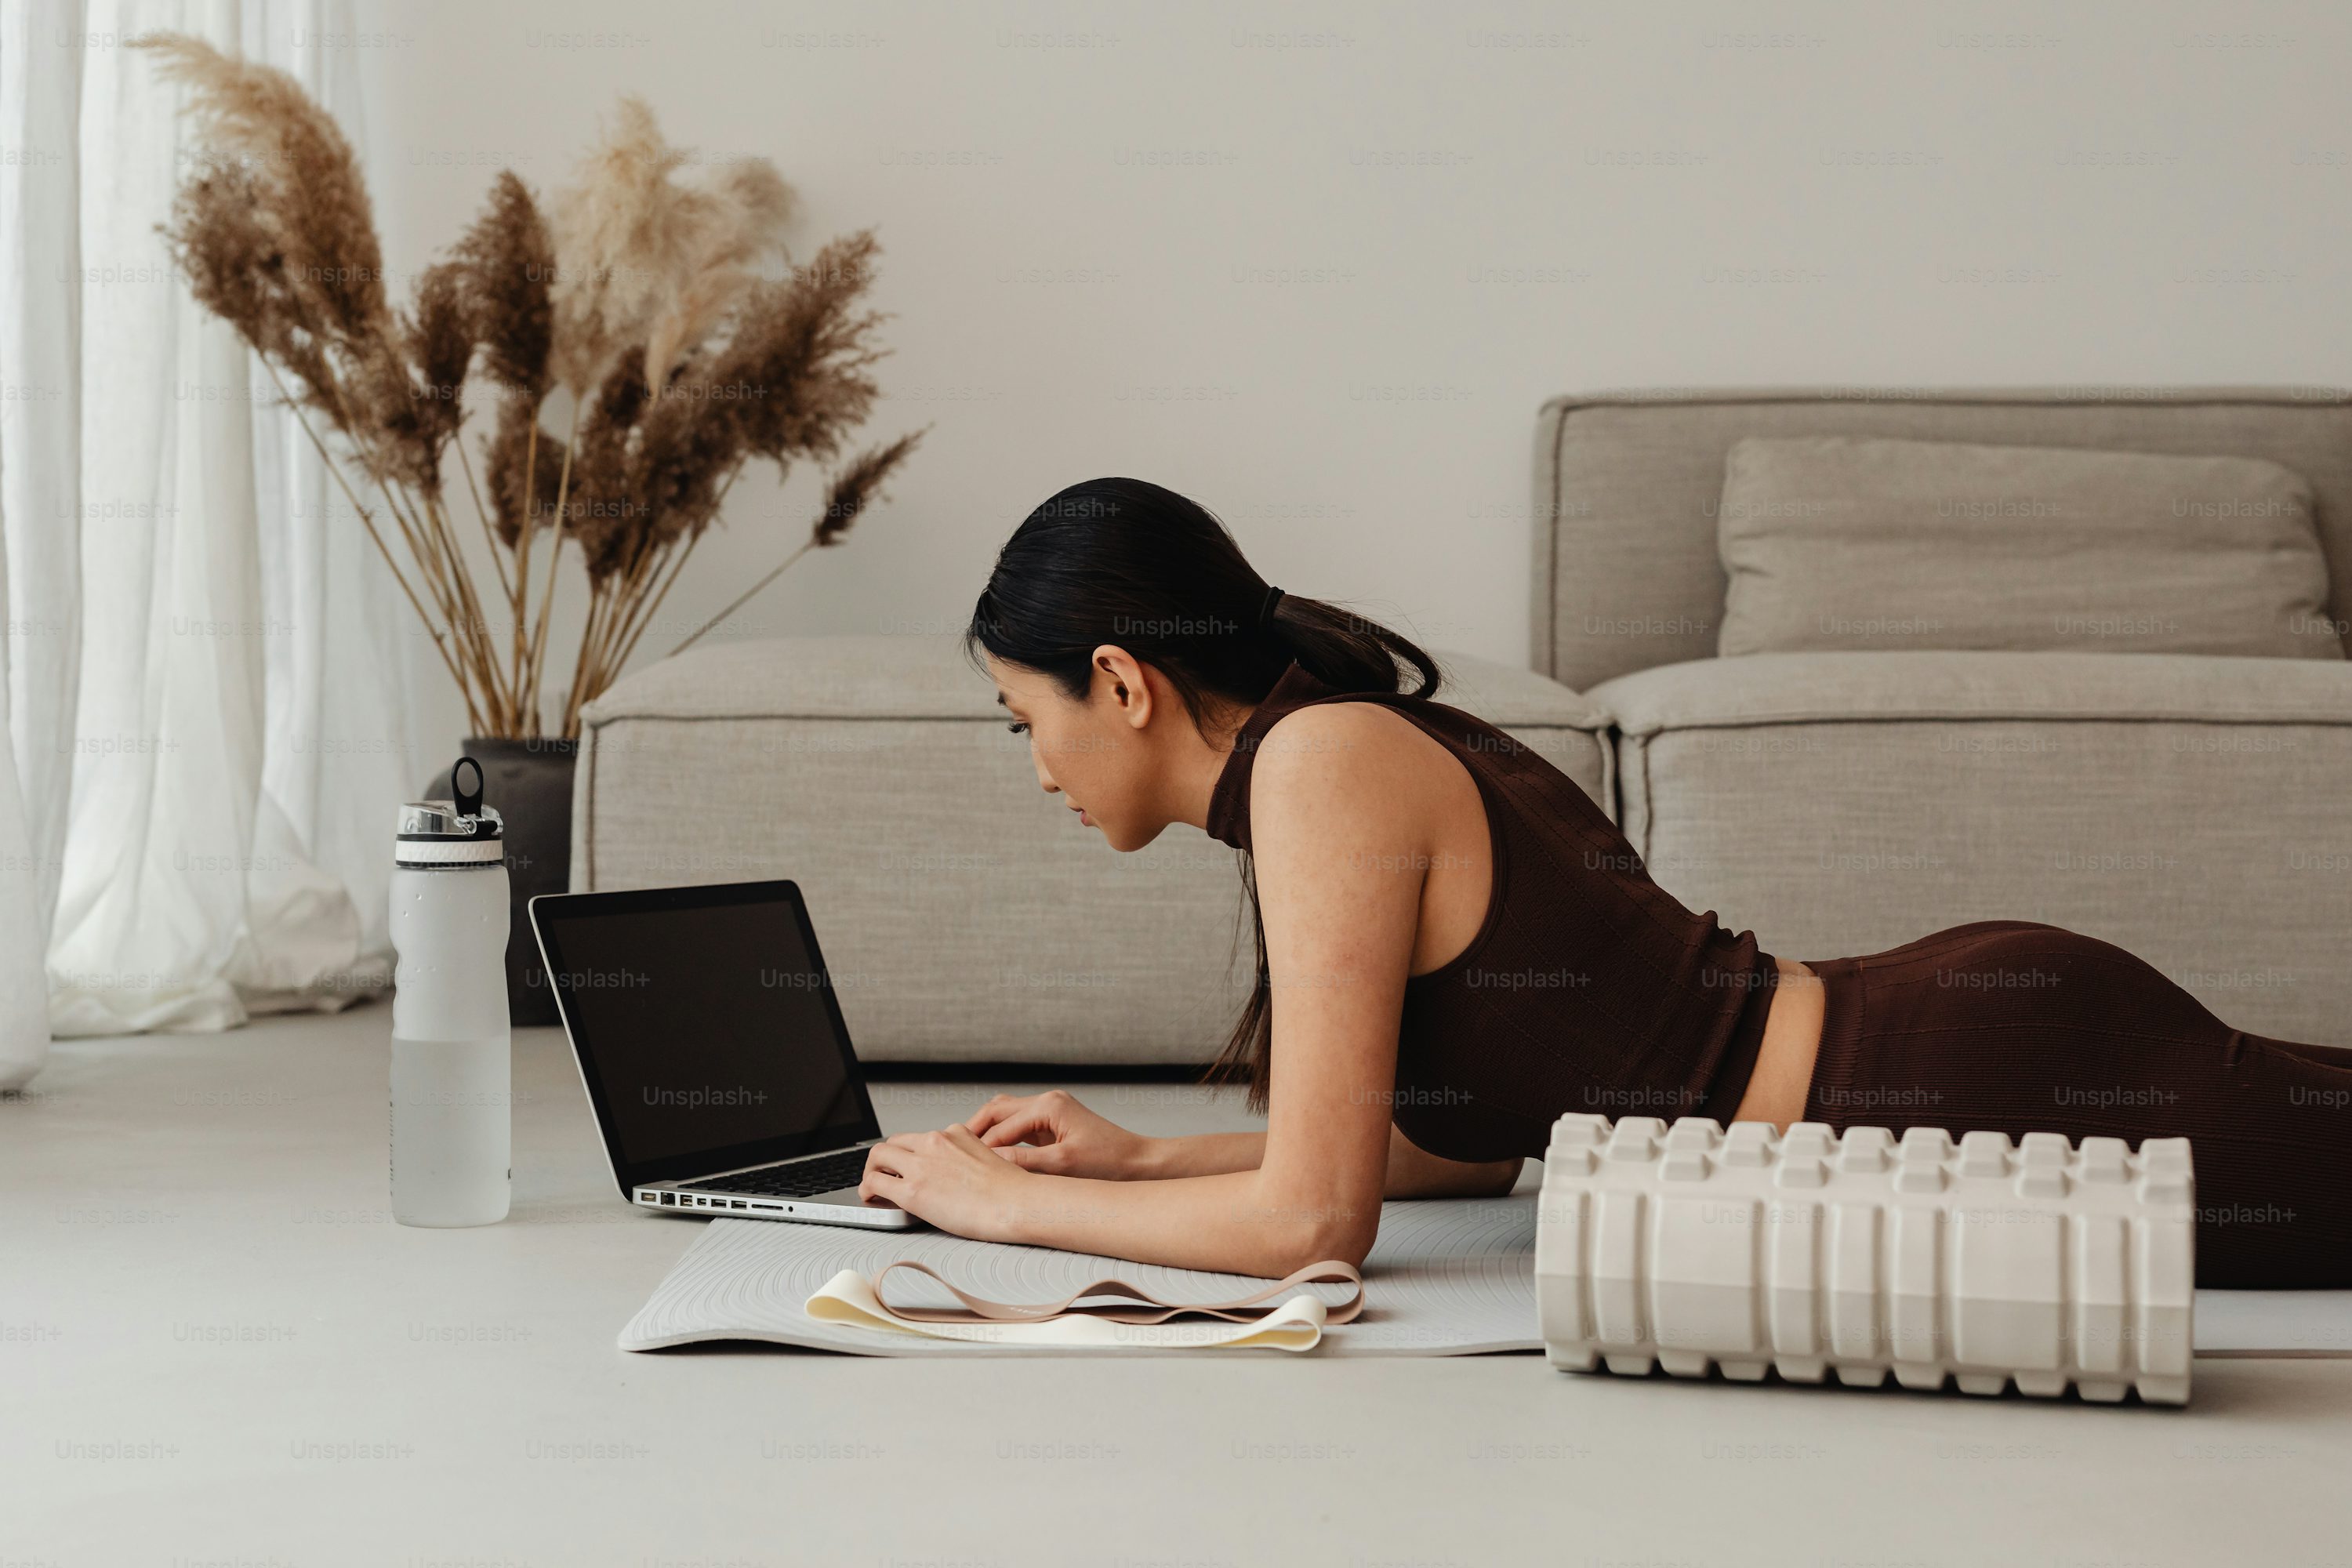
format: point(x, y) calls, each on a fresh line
point(1335, 752)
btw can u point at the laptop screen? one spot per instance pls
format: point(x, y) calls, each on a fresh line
point(705, 1026)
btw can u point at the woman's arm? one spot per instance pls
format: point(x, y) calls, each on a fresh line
point(1342, 824)
point(1197, 1154)
point(1054, 1134)
point(1231, 1221)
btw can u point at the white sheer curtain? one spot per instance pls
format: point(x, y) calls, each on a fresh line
point(206, 671)
point(40, 487)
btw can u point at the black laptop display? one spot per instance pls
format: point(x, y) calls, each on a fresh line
point(706, 1026)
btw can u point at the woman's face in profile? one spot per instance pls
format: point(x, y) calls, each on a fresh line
point(1086, 750)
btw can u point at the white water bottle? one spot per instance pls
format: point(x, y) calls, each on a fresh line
point(452, 1062)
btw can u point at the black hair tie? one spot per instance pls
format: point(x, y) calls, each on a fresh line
point(1265, 611)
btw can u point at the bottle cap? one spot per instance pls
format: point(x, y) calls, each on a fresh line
point(460, 831)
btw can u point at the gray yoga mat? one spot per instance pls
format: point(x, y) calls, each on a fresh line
point(1447, 1277)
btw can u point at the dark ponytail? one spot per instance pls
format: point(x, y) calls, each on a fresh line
point(1130, 563)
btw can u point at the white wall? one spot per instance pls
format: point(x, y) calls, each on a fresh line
point(1317, 265)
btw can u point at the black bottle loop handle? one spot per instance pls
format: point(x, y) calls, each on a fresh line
point(467, 801)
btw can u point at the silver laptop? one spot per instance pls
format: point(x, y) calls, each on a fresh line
point(713, 1048)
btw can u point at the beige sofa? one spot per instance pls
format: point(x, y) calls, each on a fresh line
point(2195, 808)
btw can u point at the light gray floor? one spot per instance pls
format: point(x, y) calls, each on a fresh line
point(215, 1347)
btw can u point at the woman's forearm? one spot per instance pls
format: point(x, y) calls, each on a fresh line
point(1232, 1222)
point(1200, 1155)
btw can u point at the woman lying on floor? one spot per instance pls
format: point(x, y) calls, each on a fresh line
point(1455, 946)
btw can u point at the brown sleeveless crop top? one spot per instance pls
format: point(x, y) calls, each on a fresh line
point(1588, 986)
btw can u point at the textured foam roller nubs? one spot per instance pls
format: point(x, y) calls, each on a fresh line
point(1980, 1262)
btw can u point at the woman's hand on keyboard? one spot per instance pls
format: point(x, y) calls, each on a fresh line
point(1053, 1133)
point(951, 1179)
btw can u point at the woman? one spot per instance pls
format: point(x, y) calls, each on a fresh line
point(1455, 946)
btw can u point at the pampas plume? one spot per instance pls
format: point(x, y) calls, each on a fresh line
point(305, 179)
point(859, 482)
point(440, 334)
point(508, 266)
point(739, 228)
point(808, 351)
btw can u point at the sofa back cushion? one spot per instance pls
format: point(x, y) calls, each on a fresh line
point(1845, 542)
point(1625, 572)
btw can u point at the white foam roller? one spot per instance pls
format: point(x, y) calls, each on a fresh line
point(1985, 1263)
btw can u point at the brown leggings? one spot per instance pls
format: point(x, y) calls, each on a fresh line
point(2022, 1028)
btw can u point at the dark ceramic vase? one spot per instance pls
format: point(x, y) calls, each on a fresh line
point(529, 783)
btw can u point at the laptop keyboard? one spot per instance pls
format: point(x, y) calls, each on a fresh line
point(800, 1179)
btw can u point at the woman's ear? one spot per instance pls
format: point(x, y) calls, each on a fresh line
point(1119, 680)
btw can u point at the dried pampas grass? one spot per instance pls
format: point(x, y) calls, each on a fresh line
point(644, 295)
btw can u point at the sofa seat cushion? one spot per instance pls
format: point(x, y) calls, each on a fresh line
point(1768, 689)
point(964, 916)
point(2195, 809)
